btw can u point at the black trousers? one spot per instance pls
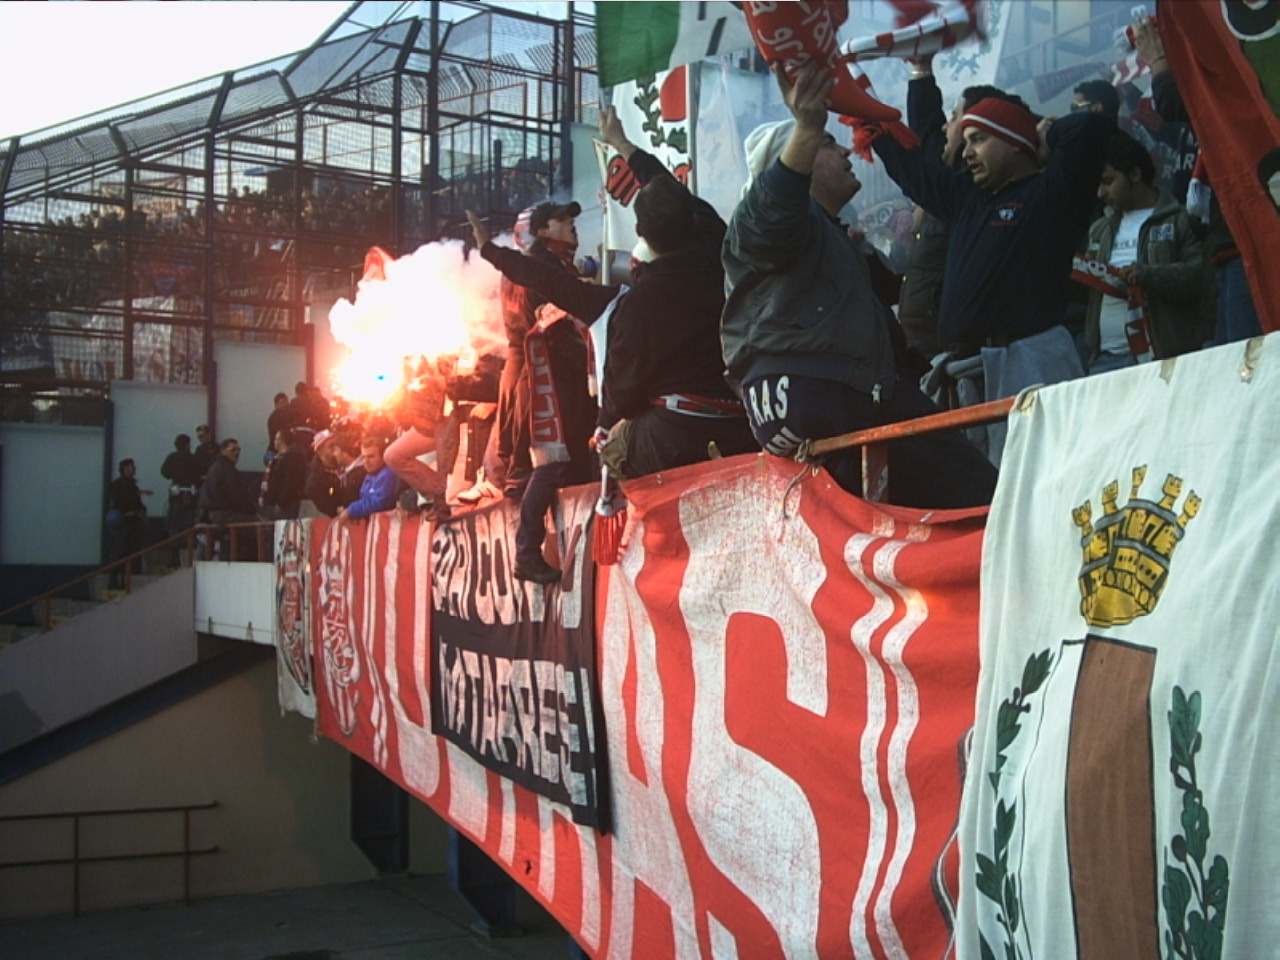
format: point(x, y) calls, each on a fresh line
point(661, 439)
point(539, 494)
point(934, 470)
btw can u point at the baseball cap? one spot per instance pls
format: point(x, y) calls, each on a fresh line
point(549, 210)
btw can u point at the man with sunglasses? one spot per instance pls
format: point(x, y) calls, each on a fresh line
point(224, 497)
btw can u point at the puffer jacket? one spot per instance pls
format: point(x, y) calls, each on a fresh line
point(799, 297)
point(1171, 272)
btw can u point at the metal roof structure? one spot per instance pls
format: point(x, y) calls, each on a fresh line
point(133, 237)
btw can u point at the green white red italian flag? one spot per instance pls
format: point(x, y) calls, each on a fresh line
point(643, 39)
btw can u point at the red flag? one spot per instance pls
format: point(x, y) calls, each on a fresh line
point(1239, 131)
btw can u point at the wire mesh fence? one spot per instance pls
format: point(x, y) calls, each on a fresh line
point(131, 238)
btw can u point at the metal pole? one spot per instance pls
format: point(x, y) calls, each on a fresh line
point(433, 127)
point(397, 104)
point(186, 856)
point(75, 866)
point(128, 272)
point(568, 104)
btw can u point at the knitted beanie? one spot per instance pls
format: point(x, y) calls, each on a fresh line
point(764, 145)
point(1007, 121)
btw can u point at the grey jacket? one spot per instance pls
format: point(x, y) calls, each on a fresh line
point(1172, 274)
point(799, 297)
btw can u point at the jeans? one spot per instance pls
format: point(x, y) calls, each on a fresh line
point(1106, 362)
point(1237, 318)
point(539, 494)
point(402, 458)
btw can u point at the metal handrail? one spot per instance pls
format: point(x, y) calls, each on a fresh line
point(979, 413)
point(74, 861)
point(187, 536)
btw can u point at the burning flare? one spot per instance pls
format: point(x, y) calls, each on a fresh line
point(431, 303)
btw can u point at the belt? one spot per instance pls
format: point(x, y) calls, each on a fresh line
point(695, 406)
point(178, 490)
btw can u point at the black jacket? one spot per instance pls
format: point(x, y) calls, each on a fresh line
point(286, 479)
point(329, 492)
point(664, 334)
point(1219, 245)
point(182, 469)
point(801, 299)
point(224, 489)
point(1009, 259)
point(125, 496)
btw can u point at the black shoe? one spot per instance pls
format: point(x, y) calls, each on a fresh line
point(537, 571)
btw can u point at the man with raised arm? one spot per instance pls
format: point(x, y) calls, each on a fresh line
point(813, 349)
point(1014, 226)
point(663, 397)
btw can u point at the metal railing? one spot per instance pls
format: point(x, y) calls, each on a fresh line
point(875, 455)
point(197, 543)
point(77, 858)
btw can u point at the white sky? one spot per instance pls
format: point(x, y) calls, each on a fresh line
point(74, 57)
point(61, 60)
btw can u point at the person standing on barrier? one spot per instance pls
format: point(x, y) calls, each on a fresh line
point(813, 349)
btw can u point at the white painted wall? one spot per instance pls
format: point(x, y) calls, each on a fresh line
point(51, 493)
point(146, 418)
point(236, 600)
point(249, 375)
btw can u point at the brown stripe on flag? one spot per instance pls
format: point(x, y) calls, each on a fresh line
point(1110, 816)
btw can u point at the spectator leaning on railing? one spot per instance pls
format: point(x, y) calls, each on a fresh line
point(379, 489)
point(224, 497)
point(814, 350)
point(1149, 242)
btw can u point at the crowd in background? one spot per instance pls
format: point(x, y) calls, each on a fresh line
point(1039, 249)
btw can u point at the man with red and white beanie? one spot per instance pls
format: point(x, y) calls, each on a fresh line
point(1014, 223)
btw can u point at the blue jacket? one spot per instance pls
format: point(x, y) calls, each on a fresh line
point(377, 493)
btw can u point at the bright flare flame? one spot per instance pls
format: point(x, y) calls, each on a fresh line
point(432, 303)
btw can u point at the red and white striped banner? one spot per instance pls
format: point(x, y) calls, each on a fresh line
point(786, 698)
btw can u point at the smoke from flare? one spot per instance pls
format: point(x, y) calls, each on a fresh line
point(432, 303)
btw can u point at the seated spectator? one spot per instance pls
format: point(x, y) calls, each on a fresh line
point(814, 350)
point(378, 489)
point(284, 482)
point(334, 477)
point(224, 498)
point(664, 397)
point(1149, 241)
point(182, 470)
point(126, 517)
point(278, 420)
point(1014, 228)
point(206, 451)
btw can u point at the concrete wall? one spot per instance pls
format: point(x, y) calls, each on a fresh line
point(51, 494)
point(249, 375)
point(145, 419)
point(236, 600)
point(96, 658)
point(283, 819)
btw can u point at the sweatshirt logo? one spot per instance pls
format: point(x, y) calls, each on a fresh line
point(1006, 214)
